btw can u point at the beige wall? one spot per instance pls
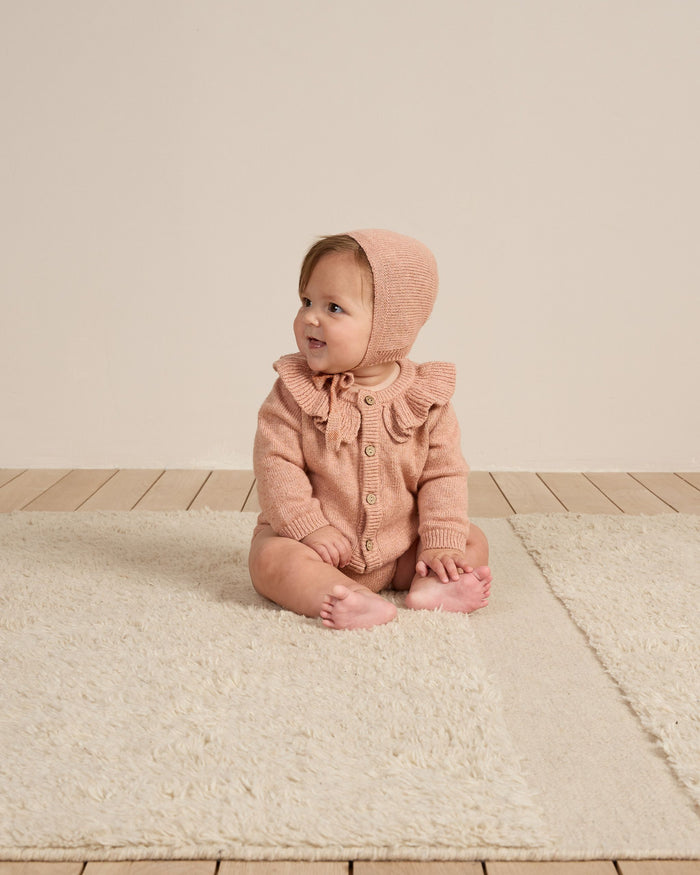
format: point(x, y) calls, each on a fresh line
point(165, 164)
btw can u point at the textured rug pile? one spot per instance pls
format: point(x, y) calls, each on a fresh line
point(153, 706)
point(632, 584)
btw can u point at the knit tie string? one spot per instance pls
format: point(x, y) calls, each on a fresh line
point(343, 421)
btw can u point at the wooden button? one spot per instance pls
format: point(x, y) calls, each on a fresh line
point(370, 450)
point(369, 400)
point(369, 546)
point(371, 498)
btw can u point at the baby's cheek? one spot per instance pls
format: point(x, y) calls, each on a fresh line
point(298, 329)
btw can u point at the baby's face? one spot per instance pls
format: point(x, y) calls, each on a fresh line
point(334, 322)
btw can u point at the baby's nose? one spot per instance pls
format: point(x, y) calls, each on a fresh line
point(310, 316)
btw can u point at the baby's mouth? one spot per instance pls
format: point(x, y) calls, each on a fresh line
point(315, 344)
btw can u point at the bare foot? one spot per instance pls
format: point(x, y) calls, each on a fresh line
point(361, 608)
point(463, 596)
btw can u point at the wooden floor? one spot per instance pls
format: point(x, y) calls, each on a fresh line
point(491, 495)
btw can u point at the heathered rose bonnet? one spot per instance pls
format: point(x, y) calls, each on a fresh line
point(405, 287)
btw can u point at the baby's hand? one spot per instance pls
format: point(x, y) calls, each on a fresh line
point(331, 545)
point(446, 564)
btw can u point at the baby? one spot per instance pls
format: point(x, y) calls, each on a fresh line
point(360, 475)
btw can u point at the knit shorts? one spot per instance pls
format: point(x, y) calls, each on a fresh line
point(376, 579)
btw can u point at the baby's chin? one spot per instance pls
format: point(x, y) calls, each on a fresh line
point(317, 368)
point(324, 371)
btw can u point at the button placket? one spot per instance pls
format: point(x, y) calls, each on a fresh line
point(371, 419)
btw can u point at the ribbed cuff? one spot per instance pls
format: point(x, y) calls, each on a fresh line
point(304, 525)
point(443, 539)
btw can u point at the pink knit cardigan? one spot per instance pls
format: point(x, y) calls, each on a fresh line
point(392, 470)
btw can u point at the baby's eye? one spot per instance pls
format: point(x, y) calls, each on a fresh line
point(335, 308)
point(305, 302)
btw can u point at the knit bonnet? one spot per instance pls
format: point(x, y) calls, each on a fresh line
point(405, 278)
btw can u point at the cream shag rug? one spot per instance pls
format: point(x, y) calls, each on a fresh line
point(153, 706)
point(632, 584)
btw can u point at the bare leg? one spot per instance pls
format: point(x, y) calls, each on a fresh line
point(465, 595)
point(295, 577)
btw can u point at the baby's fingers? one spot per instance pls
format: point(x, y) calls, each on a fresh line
point(423, 566)
point(324, 553)
point(339, 548)
point(438, 569)
point(452, 569)
point(463, 567)
point(345, 552)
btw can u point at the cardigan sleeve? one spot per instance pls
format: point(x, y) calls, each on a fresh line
point(443, 521)
point(284, 490)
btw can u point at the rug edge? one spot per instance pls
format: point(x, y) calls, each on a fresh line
point(423, 854)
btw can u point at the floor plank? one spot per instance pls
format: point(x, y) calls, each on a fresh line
point(485, 498)
point(153, 867)
point(659, 867)
point(72, 490)
point(564, 867)
point(175, 490)
point(7, 474)
point(41, 868)
point(224, 490)
point(18, 493)
point(681, 496)
point(416, 868)
point(693, 478)
point(282, 867)
point(526, 493)
point(578, 494)
point(629, 495)
point(252, 502)
point(123, 491)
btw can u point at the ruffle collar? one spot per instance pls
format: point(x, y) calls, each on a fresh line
point(331, 400)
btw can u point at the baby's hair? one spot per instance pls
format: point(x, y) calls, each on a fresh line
point(326, 245)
